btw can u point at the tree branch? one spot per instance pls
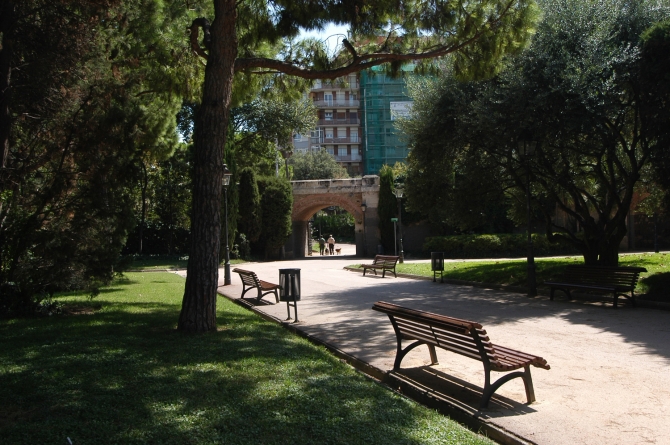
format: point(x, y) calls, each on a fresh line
point(194, 29)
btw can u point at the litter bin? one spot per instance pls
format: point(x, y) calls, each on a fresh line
point(289, 280)
point(437, 264)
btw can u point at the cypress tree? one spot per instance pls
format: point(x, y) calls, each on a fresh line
point(250, 217)
point(276, 206)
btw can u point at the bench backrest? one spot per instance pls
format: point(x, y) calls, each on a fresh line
point(248, 277)
point(385, 260)
point(603, 275)
point(454, 334)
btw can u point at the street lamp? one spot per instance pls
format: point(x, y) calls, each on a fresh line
point(226, 264)
point(365, 247)
point(526, 150)
point(398, 192)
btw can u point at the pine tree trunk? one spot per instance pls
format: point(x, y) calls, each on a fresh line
point(198, 312)
point(6, 46)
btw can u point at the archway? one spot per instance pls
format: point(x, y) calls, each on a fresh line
point(311, 196)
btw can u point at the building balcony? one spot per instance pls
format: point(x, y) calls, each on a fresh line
point(331, 122)
point(335, 86)
point(344, 103)
point(344, 140)
point(349, 158)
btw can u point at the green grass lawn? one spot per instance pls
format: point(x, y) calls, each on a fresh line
point(114, 370)
point(654, 283)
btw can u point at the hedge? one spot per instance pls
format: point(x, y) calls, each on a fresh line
point(494, 246)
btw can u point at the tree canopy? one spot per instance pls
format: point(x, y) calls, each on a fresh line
point(88, 93)
point(316, 165)
point(577, 94)
point(382, 32)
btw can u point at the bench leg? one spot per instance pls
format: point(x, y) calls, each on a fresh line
point(490, 389)
point(401, 353)
point(433, 355)
point(245, 290)
point(528, 384)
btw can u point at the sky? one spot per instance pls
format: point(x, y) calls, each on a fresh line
point(332, 34)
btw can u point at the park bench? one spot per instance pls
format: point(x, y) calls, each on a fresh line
point(598, 279)
point(383, 262)
point(463, 337)
point(250, 281)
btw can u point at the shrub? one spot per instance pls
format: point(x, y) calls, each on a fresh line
point(276, 207)
point(493, 246)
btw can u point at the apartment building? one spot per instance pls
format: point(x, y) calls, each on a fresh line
point(356, 120)
point(338, 127)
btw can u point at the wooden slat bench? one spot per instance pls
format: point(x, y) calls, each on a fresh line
point(250, 281)
point(463, 337)
point(598, 279)
point(383, 262)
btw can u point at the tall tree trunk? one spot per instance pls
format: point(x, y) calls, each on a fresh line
point(143, 219)
point(198, 312)
point(6, 46)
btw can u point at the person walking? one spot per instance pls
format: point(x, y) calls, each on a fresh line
point(331, 244)
point(322, 245)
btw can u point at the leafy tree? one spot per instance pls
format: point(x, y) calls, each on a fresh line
point(276, 206)
point(576, 93)
point(167, 202)
point(387, 208)
point(89, 93)
point(655, 89)
point(480, 33)
point(316, 165)
point(250, 214)
point(275, 120)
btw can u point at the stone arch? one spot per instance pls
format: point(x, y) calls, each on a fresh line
point(312, 196)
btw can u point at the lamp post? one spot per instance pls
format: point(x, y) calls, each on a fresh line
point(398, 192)
point(226, 264)
point(365, 247)
point(526, 149)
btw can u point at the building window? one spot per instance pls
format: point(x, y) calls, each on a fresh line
point(342, 150)
point(328, 115)
point(331, 151)
point(329, 133)
point(354, 135)
point(328, 98)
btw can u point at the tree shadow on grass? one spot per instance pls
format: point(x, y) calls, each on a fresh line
point(125, 375)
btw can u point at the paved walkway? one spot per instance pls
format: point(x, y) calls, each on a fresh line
point(608, 382)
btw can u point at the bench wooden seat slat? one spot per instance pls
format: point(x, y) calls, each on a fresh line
point(250, 281)
point(618, 281)
point(383, 263)
point(462, 337)
point(457, 346)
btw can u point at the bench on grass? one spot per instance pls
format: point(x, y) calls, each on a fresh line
point(598, 279)
point(383, 263)
point(463, 337)
point(250, 281)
